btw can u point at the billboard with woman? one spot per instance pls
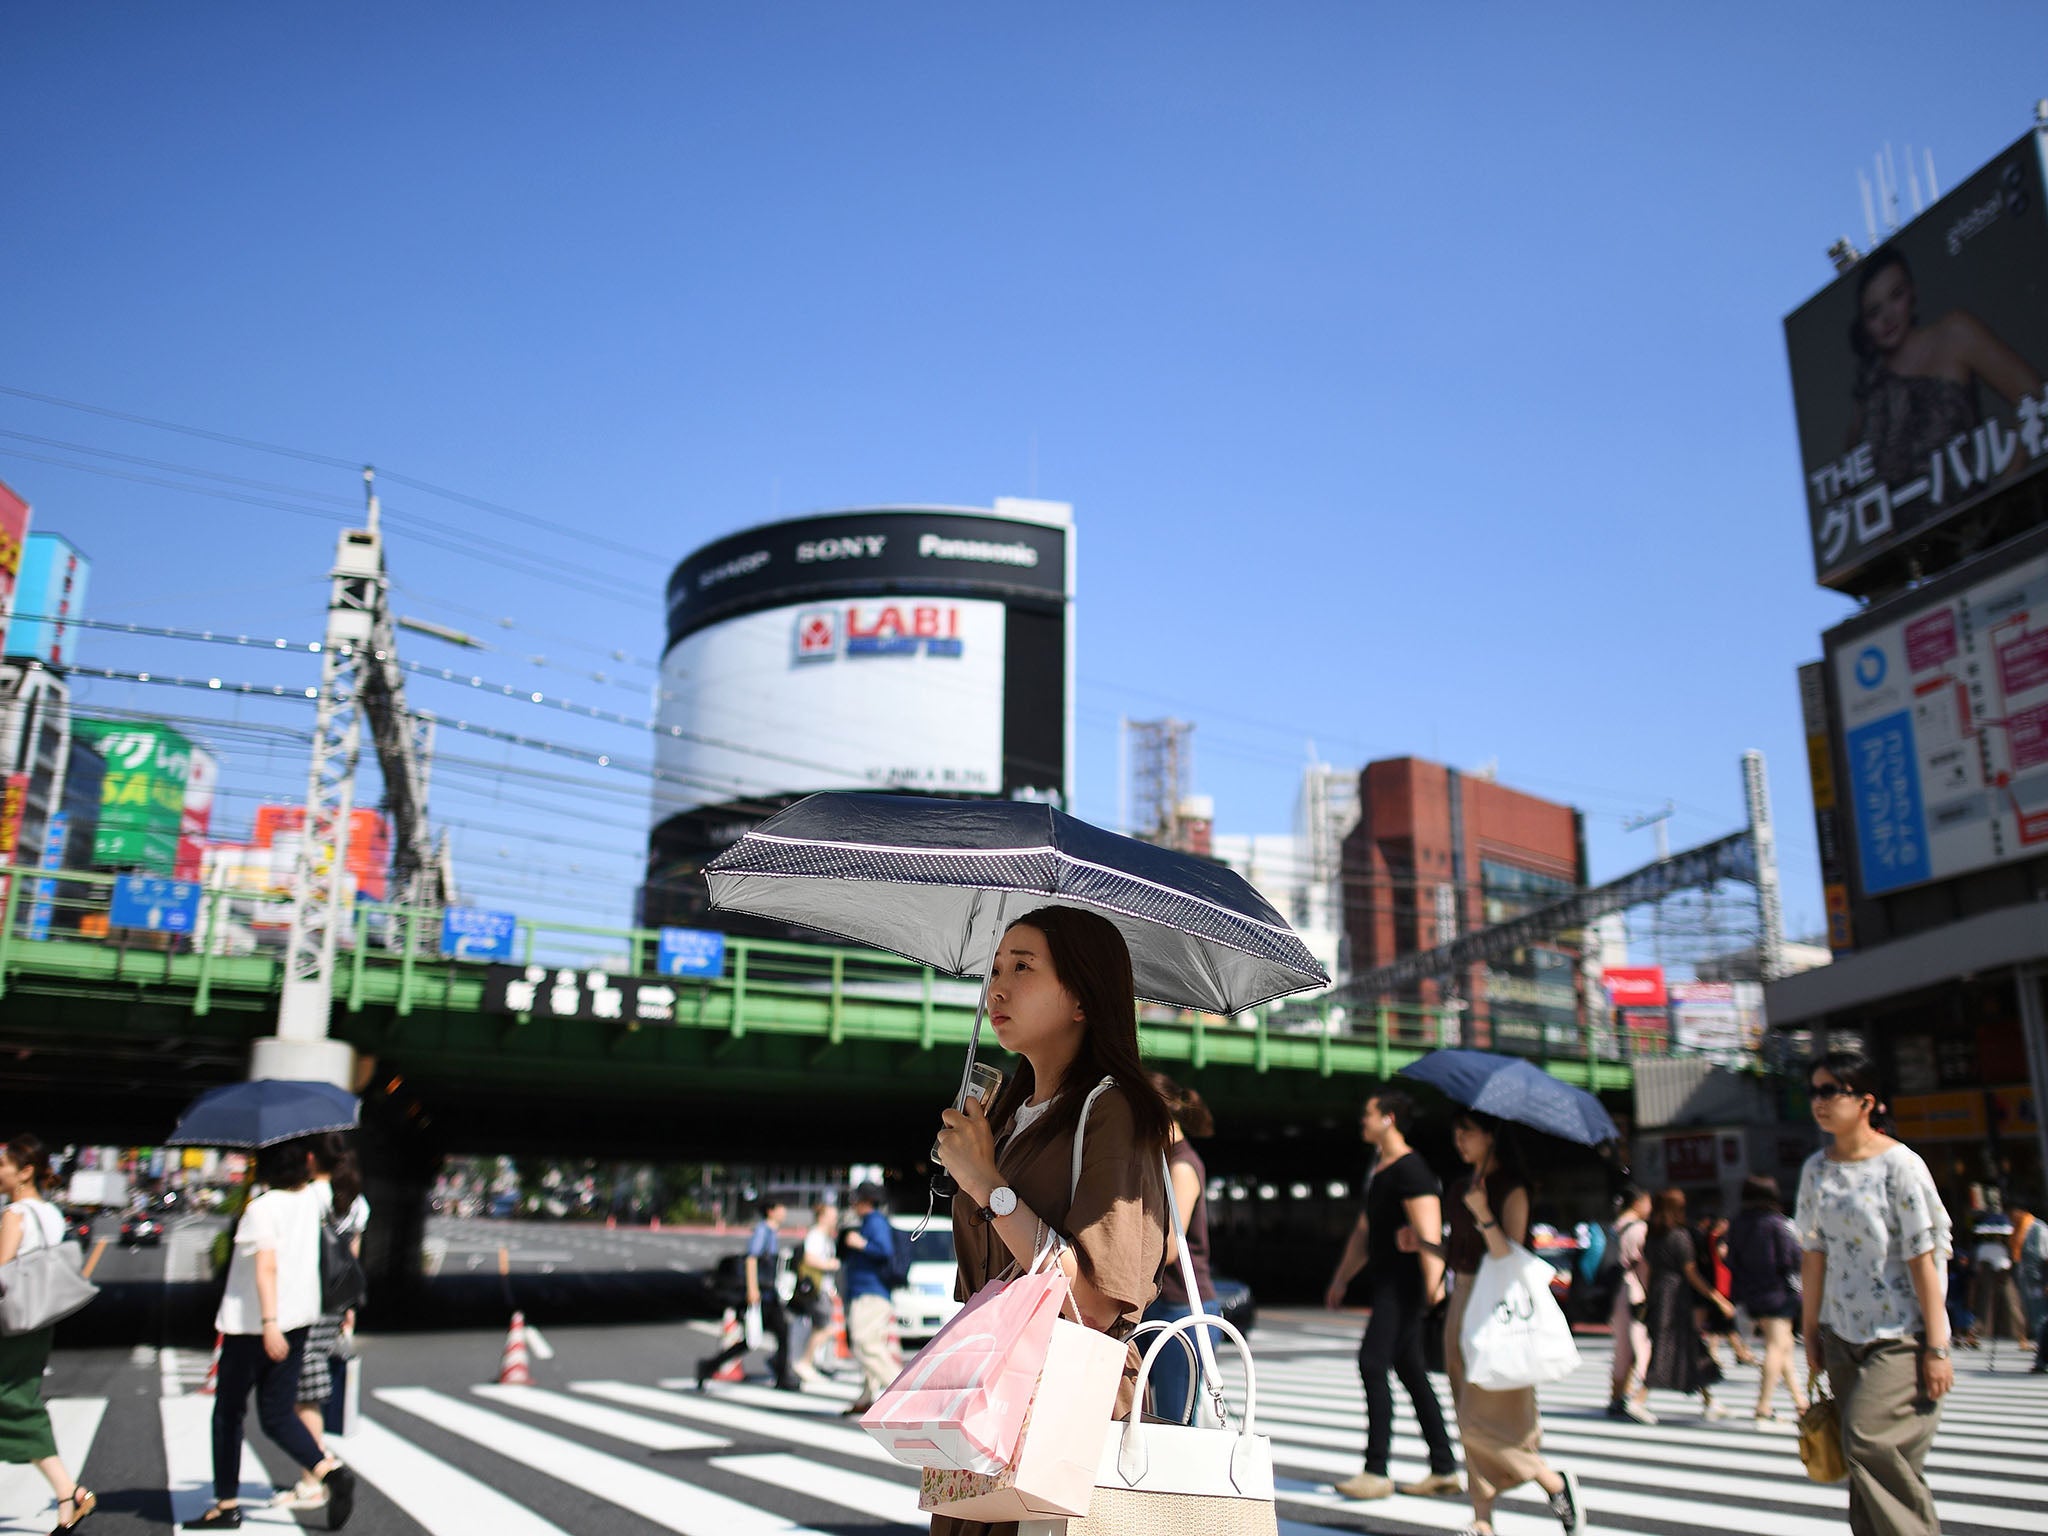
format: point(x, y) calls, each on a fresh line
point(1917, 375)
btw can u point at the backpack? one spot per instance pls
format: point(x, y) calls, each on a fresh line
point(897, 1271)
point(342, 1283)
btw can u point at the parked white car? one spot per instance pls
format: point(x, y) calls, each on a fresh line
point(926, 1304)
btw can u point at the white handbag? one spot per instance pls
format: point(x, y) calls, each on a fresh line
point(1176, 1480)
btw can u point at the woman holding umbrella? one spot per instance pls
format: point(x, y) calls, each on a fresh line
point(271, 1302)
point(1489, 1215)
point(1060, 995)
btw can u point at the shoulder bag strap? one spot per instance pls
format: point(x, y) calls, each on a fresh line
point(1081, 1132)
point(1205, 1355)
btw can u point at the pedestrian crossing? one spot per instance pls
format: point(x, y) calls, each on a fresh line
point(594, 1454)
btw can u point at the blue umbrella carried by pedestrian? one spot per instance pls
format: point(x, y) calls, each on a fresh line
point(262, 1113)
point(1509, 1088)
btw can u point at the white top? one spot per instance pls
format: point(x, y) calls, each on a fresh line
point(285, 1222)
point(1869, 1218)
point(39, 1221)
point(819, 1250)
point(1028, 1115)
point(1992, 1253)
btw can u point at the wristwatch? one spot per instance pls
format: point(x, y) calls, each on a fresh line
point(1935, 1351)
point(1002, 1200)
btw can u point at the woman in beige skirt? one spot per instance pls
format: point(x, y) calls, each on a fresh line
point(1487, 1212)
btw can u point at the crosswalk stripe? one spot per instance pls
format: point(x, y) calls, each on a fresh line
point(797, 1430)
point(650, 1434)
point(835, 1485)
point(25, 1501)
point(667, 1501)
point(188, 1461)
point(444, 1499)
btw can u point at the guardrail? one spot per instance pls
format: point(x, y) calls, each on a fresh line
point(391, 959)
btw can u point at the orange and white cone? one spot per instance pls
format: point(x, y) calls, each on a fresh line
point(512, 1371)
point(734, 1369)
point(841, 1350)
point(212, 1382)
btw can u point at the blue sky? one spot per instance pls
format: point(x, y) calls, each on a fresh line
point(1415, 373)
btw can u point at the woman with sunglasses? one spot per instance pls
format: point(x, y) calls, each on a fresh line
point(1877, 1241)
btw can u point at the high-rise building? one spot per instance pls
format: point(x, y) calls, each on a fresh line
point(1436, 853)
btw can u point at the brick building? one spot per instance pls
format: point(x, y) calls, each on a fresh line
point(1437, 853)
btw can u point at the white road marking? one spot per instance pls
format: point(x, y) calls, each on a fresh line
point(650, 1434)
point(444, 1499)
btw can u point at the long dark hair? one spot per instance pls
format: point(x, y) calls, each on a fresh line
point(1090, 959)
point(334, 1154)
point(1878, 261)
point(1508, 1159)
point(1189, 1112)
point(27, 1151)
point(1855, 1071)
point(1667, 1212)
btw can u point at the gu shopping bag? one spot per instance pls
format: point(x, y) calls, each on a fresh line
point(1515, 1334)
point(959, 1405)
point(1060, 1447)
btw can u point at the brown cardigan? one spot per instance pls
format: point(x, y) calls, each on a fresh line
point(1116, 1223)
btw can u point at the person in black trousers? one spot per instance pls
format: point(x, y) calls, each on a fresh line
point(1402, 1194)
point(271, 1301)
point(763, 1269)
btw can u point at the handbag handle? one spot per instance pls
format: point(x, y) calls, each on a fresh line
point(1205, 1356)
point(1130, 1456)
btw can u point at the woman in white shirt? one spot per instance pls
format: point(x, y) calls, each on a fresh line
point(271, 1301)
point(31, 1222)
point(1874, 1280)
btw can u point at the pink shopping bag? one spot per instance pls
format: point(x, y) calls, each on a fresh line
point(959, 1405)
point(1059, 1452)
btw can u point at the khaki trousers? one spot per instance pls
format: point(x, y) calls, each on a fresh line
point(1500, 1430)
point(1886, 1429)
point(867, 1334)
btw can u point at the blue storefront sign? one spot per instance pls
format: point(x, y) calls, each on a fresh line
point(691, 952)
point(155, 904)
point(1891, 821)
point(473, 933)
point(56, 835)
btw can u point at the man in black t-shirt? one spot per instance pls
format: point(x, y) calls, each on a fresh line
point(1401, 1193)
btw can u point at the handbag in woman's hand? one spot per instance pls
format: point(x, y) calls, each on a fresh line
point(1820, 1436)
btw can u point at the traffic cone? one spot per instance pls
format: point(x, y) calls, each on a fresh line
point(206, 1388)
point(734, 1369)
point(841, 1350)
point(512, 1371)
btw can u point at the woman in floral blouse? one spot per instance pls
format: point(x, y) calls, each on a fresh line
point(1874, 1279)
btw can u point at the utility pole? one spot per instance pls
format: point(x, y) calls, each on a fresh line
point(1770, 914)
point(360, 678)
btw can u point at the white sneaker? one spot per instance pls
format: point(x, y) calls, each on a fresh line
point(1714, 1412)
point(805, 1371)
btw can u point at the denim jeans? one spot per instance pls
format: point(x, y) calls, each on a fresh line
point(243, 1365)
point(1167, 1387)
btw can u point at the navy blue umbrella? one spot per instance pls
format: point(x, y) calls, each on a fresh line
point(1509, 1088)
point(263, 1113)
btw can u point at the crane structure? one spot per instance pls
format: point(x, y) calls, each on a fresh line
point(361, 682)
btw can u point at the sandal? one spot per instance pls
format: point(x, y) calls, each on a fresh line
point(83, 1501)
point(221, 1517)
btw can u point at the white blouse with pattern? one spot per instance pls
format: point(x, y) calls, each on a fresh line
point(1869, 1218)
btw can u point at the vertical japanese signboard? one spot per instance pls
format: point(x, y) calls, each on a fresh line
point(1943, 696)
point(1917, 375)
point(1827, 804)
point(14, 514)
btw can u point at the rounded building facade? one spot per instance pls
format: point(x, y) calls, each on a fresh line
point(920, 649)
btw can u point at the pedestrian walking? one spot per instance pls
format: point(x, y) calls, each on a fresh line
point(1876, 1236)
point(1401, 1193)
point(866, 1267)
point(1173, 1371)
point(1995, 1295)
point(1763, 1266)
point(816, 1269)
point(1500, 1430)
point(1710, 1241)
point(270, 1304)
point(1628, 1395)
point(762, 1266)
point(2030, 1265)
point(1680, 1358)
point(31, 1223)
point(337, 1184)
point(1061, 997)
